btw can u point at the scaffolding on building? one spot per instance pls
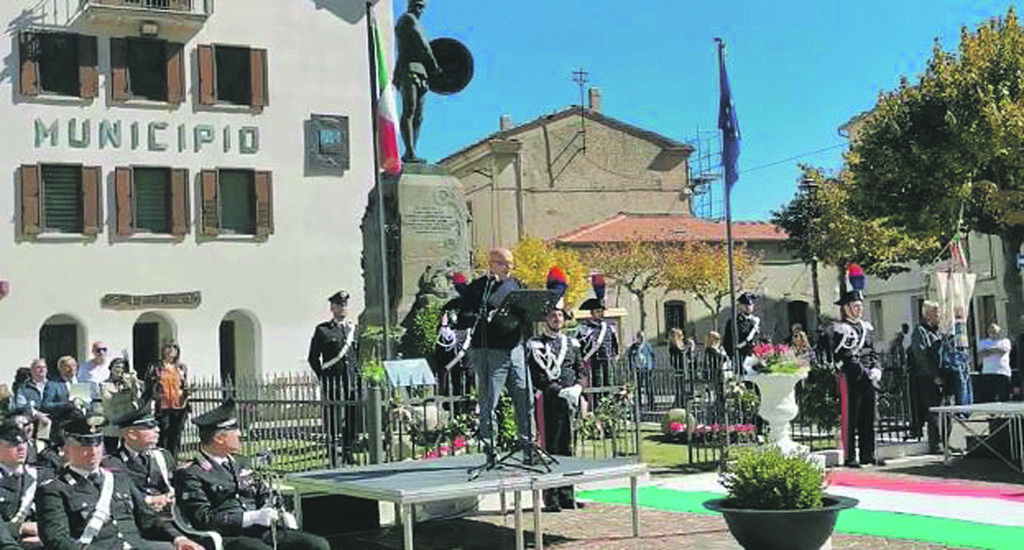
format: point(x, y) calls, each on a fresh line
point(707, 187)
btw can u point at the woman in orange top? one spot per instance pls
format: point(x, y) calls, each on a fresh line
point(167, 387)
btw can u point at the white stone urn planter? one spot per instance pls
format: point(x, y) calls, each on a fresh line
point(778, 407)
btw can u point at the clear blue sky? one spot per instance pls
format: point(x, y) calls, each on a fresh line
point(799, 69)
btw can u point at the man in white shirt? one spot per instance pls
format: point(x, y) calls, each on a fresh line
point(97, 369)
point(995, 367)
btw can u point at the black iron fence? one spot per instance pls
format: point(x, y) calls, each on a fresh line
point(301, 423)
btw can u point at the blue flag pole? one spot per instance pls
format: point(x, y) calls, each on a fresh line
point(730, 153)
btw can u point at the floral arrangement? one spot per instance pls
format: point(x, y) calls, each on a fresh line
point(458, 444)
point(707, 433)
point(774, 359)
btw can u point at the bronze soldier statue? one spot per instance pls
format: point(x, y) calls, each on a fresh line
point(415, 67)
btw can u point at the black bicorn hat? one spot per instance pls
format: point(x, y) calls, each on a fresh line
point(340, 297)
point(141, 417)
point(86, 430)
point(221, 418)
point(597, 302)
point(11, 432)
point(747, 298)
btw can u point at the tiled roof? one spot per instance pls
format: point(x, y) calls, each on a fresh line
point(654, 137)
point(669, 228)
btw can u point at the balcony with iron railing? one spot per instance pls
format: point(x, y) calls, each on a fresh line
point(188, 13)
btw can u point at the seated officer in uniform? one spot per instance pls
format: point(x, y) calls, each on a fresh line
point(218, 491)
point(84, 505)
point(150, 467)
point(18, 484)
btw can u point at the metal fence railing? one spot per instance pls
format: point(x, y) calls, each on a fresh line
point(306, 424)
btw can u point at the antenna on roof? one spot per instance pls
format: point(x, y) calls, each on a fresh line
point(581, 77)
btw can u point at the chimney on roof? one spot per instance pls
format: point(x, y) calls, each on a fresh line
point(595, 98)
point(505, 123)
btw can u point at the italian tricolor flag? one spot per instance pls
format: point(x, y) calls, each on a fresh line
point(387, 119)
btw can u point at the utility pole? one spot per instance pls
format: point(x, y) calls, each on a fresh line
point(581, 77)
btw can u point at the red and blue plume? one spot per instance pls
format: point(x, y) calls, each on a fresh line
point(460, 282)
point(557, 280)
point(597, 281)
point(855, 277)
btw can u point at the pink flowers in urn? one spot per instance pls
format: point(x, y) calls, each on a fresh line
point(774, 359)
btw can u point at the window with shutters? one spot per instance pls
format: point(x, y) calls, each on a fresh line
point(151, 197)
point(62, 198)
point(236, 202)
point(150, 201)
point(147, 74)
point(147, 69)
point(232, 75)
point(58, 63)
point(59, 199)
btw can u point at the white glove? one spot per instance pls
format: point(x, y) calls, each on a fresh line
point(875, 375)
point(264, 516)
point(289, 520)
point(572, 393)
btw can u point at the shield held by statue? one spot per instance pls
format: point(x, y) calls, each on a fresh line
point(456, 63)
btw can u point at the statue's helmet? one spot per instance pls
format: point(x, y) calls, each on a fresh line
point(415, 3)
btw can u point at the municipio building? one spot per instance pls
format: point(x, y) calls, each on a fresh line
point(181, 169)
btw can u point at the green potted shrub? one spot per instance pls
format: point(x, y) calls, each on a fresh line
point(777, 501)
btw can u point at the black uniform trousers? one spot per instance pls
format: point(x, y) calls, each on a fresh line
point(557, 441)
point(340, 419)
point(860, 437)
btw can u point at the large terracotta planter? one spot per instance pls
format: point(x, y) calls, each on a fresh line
point(778, 407)
point(782, 529)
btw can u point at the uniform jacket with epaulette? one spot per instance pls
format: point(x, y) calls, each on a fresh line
point(588, 333)
point(542, 352)
point(65, 503)
point(13, 486)
point(328, 341)
point(214, 498)
point(145, 473)
point(853, 346)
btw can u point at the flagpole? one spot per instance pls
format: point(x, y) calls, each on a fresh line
point(382, 240)
point(728, 229)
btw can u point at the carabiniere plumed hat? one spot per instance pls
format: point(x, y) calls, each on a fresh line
point(747, 298)
point(597, 302)
point(558, 284)
point(852, 285)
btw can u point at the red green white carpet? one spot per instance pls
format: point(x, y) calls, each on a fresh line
point(955, 513)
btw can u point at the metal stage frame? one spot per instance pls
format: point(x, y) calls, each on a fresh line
point(1012, 412)
point(413, 482)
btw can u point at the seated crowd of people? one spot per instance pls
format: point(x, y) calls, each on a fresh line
point(83, 467)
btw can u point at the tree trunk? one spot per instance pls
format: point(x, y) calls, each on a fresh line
point(643, 309)
point(1011, 283)
point(817, 298)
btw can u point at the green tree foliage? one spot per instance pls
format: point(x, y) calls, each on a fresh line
point(824, 224)
point(946, 148)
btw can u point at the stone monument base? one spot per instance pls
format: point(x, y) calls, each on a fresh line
point(427, 229)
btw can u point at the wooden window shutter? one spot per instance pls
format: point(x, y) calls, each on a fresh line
point(123, 200)
point(31, 209)
point(264, 203)
point(175, 55)
point(179, 202)
point(119, 90)
point(88, 67)
point(207, 75)
point(258, 73)
point(29, 51)
point(210, 203)
point(92, 207)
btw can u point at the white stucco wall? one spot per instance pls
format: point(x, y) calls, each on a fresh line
point(317, 63)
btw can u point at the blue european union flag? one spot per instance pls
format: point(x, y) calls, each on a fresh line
point(727, 122)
